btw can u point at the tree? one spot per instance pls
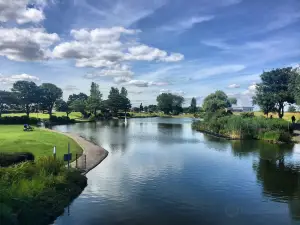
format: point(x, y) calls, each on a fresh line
point(124, 92)
point(6, 99)
point(62, 106)
point(141, 107)
point(168, 103)
point(113, 100)
point(27, 93)
point(79, 105)
point(193, 107)
point(146, 108)
point(265, 102)
point(216, 101)
point(152, 108)
point(275, 86)
point(233, 101)
point(94, 101)
point(49, 94)
point(80, 96)
point(292, 108)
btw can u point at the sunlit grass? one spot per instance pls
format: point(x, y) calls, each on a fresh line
point(39, 142)
point(73, 115)
point(287, 115)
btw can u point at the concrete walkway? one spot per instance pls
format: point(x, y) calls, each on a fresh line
point(296, 137)
point(92, 154)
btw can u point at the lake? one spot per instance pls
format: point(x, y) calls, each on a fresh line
point(159, 171)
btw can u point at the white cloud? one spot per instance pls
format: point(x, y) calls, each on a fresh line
point(222, 69)
point(106, 47)
point(175, 92)
point(186, 24)
point(251, 90)
point(71, 88)
point(18, 10)
point(13, 78)
point(26, 44)
point(144, 83)
point(118, 72)
point(119, 80)
point(234, 86)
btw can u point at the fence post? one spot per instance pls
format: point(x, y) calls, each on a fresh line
point(84, 161)
point(54, 152)
point(76, 160)
point(68, 155)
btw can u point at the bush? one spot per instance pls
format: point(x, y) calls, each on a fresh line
point(61, 120)
point(8, 159)
point(19, 120)
point(36, 193)
point(247, 114)
point(239, 127)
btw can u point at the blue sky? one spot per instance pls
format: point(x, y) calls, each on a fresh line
point(191, 48)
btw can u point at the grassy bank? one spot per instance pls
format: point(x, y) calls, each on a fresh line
point(287, 115)
point(40, 142)
point(73, 115)
point(239, 127)
point(36, 193)
point(146, 115)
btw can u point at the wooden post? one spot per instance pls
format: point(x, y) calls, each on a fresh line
point(68, 155)
point(54, 152)
point(76, 160)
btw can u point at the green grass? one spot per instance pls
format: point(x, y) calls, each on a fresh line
point(73, 115)
point(287, 115)
point(40, 142)
point(36, 193)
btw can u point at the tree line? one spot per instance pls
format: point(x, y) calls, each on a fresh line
point(28, 97)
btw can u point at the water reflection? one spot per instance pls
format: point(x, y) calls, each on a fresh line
point(159, 171)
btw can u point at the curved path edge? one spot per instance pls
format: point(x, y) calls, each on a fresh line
point(94, 154)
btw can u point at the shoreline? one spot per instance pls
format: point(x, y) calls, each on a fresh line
point(94, 153)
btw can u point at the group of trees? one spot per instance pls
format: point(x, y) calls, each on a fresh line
point(168, 103)
point(278, 88)
point(28, 97)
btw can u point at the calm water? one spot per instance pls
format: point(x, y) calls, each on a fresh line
point(159, 171)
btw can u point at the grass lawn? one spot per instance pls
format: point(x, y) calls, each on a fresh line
point(287, 115)
point(39, 142)
point(73, 115)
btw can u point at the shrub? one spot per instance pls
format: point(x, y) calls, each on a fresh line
point(19, 120)
point(8, 159)
point(61, 120)
point(36, 193)
point(247, 114)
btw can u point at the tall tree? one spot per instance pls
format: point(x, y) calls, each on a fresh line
point(125, 102)
point(79, 105)
point(95, 99)
point(113, 100)
point(216, 101)
point(152, 108)
point(168, 103)
point(49, 94)
point(62, 106)
point(80, 96)
point(6, 99)
point(27, 93)
point(233, 101)
point(124, 92)
point(276, 85)
point(193, 107)
point(141, 107)
point(265, 102)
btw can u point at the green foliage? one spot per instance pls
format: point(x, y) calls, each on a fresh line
point(274, 90)
point(247, 114)
point(241, 127)
point(62, 106)
point(168, 103)
point(118, 101)
point(233, 101)
point(79, 105)
point(27, 93)
point(61, 120)
point(193, 107)
point(94, 101)
point(49, 94)
point(216, 101)
point(36, 193)
point(6, 99)
point(19, 120)
point(80, 96)
point(292, 108)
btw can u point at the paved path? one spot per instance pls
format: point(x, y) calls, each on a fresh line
point(94, 154)
point(297, 133)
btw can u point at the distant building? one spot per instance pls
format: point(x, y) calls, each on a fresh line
point(241, 109)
